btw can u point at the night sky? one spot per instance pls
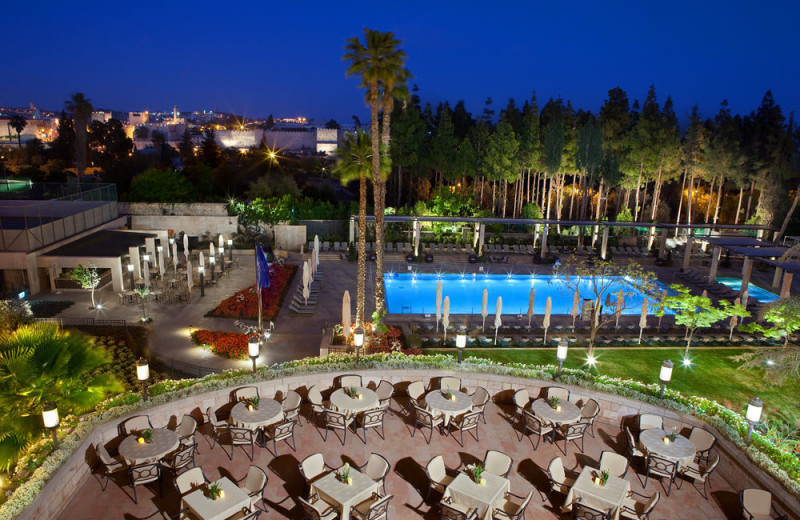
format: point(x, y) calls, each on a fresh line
point(284, 58)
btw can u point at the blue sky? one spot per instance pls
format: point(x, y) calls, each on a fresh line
point(257, 58)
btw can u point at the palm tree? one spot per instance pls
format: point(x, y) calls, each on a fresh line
point(81, 109)
point(18, 124)
point(377, 61)
point(41, 363)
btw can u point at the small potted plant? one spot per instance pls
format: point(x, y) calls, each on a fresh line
point(554, 403)
point(476, 470)
point(601, 479)
point(448, 394)
point(146, 437)
point(344, 475)
point(353, 392)
point(674, 434)
point(252, 403)
point(215, 492)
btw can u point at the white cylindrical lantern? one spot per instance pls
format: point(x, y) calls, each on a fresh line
point(142, 369)
point(754, 408)
point(171, 241)
point(561, 351)
point(160, 248)
point(212, 260)
point(358, 337)
point(461, 340)
point(50, 415)
point(221, 250)
point(146, 257)
point(230, 242)
point(666, 371)
point(130, 268)
point(201, 269)
point(254, 347)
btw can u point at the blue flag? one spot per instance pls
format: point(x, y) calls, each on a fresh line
point(262, 268)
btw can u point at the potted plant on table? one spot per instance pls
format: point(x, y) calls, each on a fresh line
point(344, 475)
point(146, 437)
point(476, 470)
point(252, 403)
point(215, 492)
point(554, 403)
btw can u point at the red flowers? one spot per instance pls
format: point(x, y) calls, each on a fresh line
point(244, 304)
point(228, 344)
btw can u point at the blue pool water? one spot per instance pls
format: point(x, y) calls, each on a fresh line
point(754, 291)
point(416, 294)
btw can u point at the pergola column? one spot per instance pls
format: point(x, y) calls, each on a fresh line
point(712, 273)
point(544, 241)
point(150, 247)
point(687, 254)
point(747, 268)
point(136, 261)
point(662, 246)
point(776, 280)
point(481, 237)
point(604, 243)
point(163, 238)
point(535, 235)
point(117, 280)
point(786, 286)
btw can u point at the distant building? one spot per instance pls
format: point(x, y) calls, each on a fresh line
point(138, 118)
point(101, 116)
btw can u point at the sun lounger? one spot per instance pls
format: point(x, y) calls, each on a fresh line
point(326, 246)
point(470, 250)
point(389, 247)
point(506, 249)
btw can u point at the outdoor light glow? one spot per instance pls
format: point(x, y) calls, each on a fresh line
point(21, 295)
point(687, 362)
point(146, 258)
point(267, 335)
point(754, 408)
point(770, 362)
point(99, 306)
point(253, 347)
point(50, 415)
point(358, 337)
point(461, 340)
point(230, 242)
point(201, 269)
point(666, 371)
point(561, 351)
point(142, 369)
point(130, 268)
point(591, 360)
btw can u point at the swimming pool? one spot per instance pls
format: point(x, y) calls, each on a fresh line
point(753, 291)
point(407, 293)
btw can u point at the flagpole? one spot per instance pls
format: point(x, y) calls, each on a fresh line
point(258, 289)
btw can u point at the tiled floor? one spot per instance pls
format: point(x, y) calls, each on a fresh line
point(406, 480)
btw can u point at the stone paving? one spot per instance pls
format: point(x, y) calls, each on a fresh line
point(406, 480)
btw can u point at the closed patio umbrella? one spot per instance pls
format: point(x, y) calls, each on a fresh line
point(446, 316)
point(438, 303)
point(175, 256)
point(306, 281)
point(744, 298)
point(481, 236)
point(146, 273)
point(310, 271)
point(618, 310)
point(211, 251)
point(416, 238)
point(186, 245)
point(497, 320)
point(530, 306)
point(705, 293)
point(661, 305)
point(546, 321)
point(576, 301)
point(484, 307)
point(734, 319)
point(221, 241)
point(201, 260)
point(189, 282)
point(161, 263)
point(316, 242)
point(346, 318)
point(643, 319)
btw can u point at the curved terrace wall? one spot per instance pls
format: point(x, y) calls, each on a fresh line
point(734, 467)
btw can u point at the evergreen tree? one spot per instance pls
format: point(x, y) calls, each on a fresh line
point(186, 148)
point(209, 149)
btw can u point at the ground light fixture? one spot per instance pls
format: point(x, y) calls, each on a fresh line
point(51, 421)
point(230, 249)
point(201, 270)
point(143, 374)
point(561, 355)
point(358, 341)
point(664, 376)
point(753, 415)
point(130, 272)
point(461, 343)
point(254, 349)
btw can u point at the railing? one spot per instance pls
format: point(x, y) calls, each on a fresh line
point(180, 369)
point(83, 322)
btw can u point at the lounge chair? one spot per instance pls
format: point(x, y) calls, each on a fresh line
point(389, 247)
point(506, 249)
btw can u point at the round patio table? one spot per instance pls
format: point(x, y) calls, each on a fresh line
point(342, 402)
point(681, 449)
point(448, 408)
point(568, 414)
point(164, 441)
point(269, 412)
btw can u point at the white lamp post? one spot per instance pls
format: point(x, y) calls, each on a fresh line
point(664, 376)
point(461, 343)
point(254, 349)
point(50, 418)
point(212, 260)
point(221, 257)
point(160, 250)
point(561, 354)
point(358, 341)
point(753, 415)
point(202, 270)
point(230, 248)
point(143, 374)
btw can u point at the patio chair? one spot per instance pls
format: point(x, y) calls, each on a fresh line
point(337, 421)
point(186, 431)
point(385, 392)
point(216, 426)
point(757, 505)
point(425, 419)
point(556, 391)
point(573, 432)
point(450, 383)
point(375, 507)
point(144, 474)
point(648, 421)
point(182, 459)
point(467, 422)
point(317, 404)
point(533, 425)
point(508, 509)
point(372, 419)
point(700, 472)
point(137, 423)
point(111, 465)
point(479, 399)
point(316, 508)
point(348, 380)
point(245, 392)
point(589, 413)
point(633, 509)
point(439, 475)
point(662, 468)
point(241, 437)
point(254, 483)
point(559, 481)
point(416, 390)
point(704, 441)
point(451, 510)
point(282, 431)
point(246, 514)
point(497, 463)
point(376, 468)
point(291, 406)
point(586, 512)
point(614, 463)
point(633, 448)
point(189, 481)
point(522, 401)
point(313, 467)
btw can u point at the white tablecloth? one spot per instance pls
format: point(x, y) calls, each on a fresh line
point(164, 441)
point(609, 496)
point(437, 403)
point(342, 495)
point(268, 412)
point(463, 490)
point(681, 449)
point(342, 402)
point(569, 413)
point(221, 508)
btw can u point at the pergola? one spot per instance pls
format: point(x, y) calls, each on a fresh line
point(750, 248)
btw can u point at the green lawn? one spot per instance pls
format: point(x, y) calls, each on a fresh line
point(713, 374)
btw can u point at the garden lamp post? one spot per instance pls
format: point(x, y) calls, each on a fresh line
point(561, 354)
point(130, 272)
point(221, 258)
point(753, 415)
point(230, 249)
point(358, 341)
point(254, 349)
point(212, 260)
point(201, 270)
point(146, 258)
point(143, 374)
point(664, 376)
point(461, 342)
point(50, 418)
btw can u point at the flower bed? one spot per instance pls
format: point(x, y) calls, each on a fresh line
point(244, 304)
point(227, 344)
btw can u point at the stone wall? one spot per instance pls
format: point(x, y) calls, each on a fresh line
point(196, 220)
point(734, 466)
point(204, 209)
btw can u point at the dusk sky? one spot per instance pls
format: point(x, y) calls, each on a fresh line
point(260, 58)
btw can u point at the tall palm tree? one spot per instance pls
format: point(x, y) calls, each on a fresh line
point(41, 363)
point(81, 110)
point(375, 61)
point(18, 124)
